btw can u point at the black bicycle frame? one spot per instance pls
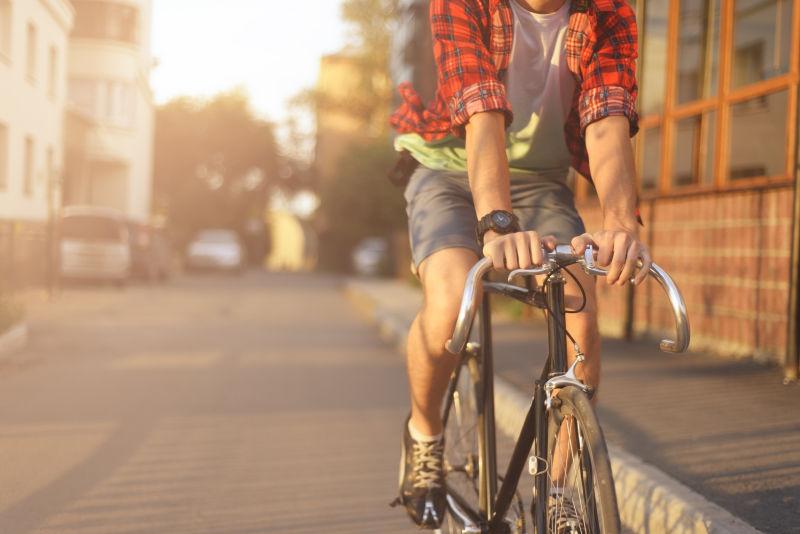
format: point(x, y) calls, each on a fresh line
point(496, 503)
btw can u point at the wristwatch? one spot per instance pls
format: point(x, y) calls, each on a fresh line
point(499, 221)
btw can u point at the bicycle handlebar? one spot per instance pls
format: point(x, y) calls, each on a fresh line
point(560, 256)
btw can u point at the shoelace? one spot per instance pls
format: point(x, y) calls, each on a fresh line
point(564, 517)
point(427, 464)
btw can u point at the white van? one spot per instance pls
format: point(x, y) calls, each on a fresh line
point(93, 244)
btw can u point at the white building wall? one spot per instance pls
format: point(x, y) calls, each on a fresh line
point(31, 104)
point(110, 84)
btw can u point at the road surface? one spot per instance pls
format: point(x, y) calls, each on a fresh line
point(212, 404)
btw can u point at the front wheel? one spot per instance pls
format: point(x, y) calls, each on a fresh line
point(578, 469)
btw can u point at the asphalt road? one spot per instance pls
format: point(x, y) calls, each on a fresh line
point(211, 404)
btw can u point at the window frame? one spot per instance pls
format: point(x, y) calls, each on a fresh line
point(721, 104)
point(32, 52)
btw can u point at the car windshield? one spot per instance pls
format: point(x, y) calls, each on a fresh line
point(217, 236)
point(91, 227)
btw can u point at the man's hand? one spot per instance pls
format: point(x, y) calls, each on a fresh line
point(618, 250)
point(520, 250)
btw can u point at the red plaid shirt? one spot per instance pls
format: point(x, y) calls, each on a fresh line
point(472, 46)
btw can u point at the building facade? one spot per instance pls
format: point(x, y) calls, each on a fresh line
point(717, 164)
point(110, 120)
point(33, 58)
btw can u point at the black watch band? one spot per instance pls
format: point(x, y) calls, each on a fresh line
point(499, 221)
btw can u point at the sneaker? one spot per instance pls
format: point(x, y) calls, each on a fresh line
point(422, 489)
point(563, 517)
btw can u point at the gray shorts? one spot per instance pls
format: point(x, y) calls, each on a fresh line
point(441, 213)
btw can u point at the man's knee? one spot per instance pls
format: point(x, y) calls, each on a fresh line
point(443, 278)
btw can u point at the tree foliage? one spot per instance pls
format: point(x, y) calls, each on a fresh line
point(361, 203)
point(370, 23)
point(215, 163)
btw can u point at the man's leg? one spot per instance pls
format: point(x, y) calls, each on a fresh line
point(429, 365)
point(443, 275)
point(583, 327)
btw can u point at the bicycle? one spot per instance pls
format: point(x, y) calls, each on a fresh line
point(561, 417)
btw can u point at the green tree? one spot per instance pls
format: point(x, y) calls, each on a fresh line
point(215, 163)
point(359, 204)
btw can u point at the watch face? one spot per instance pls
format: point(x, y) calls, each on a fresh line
point(501, 219)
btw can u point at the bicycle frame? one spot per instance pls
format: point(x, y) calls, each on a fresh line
point(495, 502)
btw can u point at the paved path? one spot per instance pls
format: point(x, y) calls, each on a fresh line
point(214, 404)
point(728, 430)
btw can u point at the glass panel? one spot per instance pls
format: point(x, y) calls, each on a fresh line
point(654, 57)
point(757, 141)
point(52, 73)
point(5, 27)
point(106, 20)
point(762, 40)
point(31, 52)
point(693, 155)
point(698, 49)
point(651, 157)
point(27, 176)
point(84, 95)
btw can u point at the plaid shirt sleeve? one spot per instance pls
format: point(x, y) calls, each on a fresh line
point(609, 68)
point(467, 76)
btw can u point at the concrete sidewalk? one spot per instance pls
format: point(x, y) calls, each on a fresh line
point(727, 432)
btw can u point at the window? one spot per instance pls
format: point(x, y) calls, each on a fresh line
point(109, 101)
point(119, 104)
point(51, 169)
point(52, 72)
point(106, 20)
point(3, 157)
point(28, 170)
point(30, 50)
point(718, 94)
point(651, 155)
point(83, 94)
point(762, 36)
point(698, 50)
point(654, 56)
point(693, 150)
point(5, 28)
point(755, 150)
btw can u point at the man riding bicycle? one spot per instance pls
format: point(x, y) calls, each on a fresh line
point(526, 90)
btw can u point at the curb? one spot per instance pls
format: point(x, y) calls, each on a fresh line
point(14, 339)
point(649, 500)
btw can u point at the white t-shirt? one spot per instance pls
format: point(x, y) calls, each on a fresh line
point(540, 88)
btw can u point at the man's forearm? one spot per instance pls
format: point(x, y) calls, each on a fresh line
point(487, 163)
point(613, 171)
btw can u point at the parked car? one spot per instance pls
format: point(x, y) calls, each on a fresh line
point(151, 252)
point(371, 257)
point(216, 249)
point(93, 244)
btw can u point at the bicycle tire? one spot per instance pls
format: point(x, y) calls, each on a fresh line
point(464, 441)
point(589, 479)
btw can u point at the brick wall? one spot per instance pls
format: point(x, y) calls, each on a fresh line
point(730, 254)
